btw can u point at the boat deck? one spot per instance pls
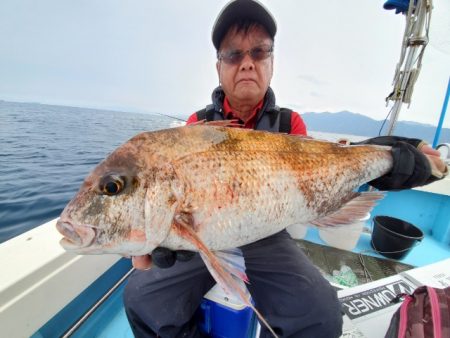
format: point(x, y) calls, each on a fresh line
point(425, 209)
point(428, 251)
point(364, 268)
point(110, 320)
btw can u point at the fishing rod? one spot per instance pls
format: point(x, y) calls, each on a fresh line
point(172, 117)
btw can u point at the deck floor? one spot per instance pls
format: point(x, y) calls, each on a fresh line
point(110, 319)
point(365, 268)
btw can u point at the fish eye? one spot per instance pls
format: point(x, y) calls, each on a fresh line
point(112, 184)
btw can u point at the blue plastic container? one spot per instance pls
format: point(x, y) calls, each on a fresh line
point(221, 316)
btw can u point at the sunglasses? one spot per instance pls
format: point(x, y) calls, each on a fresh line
point(234, 57)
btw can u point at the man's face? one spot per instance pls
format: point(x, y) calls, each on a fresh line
point(246, 82)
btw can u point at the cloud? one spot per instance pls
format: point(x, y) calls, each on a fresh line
point(311, 79)
point(158, 56)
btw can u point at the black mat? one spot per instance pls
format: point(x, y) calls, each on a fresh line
point(366, 268)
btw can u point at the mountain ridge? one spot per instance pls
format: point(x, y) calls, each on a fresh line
point(346, 122)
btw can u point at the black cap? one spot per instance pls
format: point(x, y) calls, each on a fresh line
point(242, 9)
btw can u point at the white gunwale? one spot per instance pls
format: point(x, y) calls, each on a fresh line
point(39, 279)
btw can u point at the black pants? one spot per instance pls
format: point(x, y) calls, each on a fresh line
point(286, 288)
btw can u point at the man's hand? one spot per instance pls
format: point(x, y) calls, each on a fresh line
point(142, 262)
point(415, 163)
point(162, 258)
point(434, 156)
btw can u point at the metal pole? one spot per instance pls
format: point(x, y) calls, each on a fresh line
point(417, 19)
point(441, 119)
point(405, 80)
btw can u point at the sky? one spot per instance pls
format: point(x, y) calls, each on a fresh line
point(157, 56)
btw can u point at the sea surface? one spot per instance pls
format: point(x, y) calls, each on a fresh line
point(46, 151)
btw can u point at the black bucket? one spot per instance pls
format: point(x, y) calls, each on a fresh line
point(393, 237)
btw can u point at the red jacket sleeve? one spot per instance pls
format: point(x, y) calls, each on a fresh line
point(298, 127)
point(192, 119)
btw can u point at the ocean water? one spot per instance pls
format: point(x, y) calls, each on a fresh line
point(46, 152)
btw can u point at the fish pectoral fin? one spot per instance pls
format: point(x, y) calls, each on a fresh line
point(227, 267)
point(222, 264)
point(233, 261)
point(358, 206)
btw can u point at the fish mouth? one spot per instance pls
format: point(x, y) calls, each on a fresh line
point(75, 236)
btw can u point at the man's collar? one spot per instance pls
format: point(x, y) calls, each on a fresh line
point(218, 97)
point(228, 111)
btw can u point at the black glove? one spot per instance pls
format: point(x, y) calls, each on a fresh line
point(390, 140)
point(411, 167)
point(164, 258)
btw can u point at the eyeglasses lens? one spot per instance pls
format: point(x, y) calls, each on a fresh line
point(236, 56)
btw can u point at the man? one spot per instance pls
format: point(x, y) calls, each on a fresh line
point(286, 288)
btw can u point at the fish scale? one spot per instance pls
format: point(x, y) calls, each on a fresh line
point(223, 220)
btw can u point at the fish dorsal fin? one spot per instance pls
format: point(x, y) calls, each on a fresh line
point(357, 207)
point(218, 123)
point(227, 267)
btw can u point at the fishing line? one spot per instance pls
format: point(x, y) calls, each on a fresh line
point(366, 271)
point(385, 119)
point(172, 117)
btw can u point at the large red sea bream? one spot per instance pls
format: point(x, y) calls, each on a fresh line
point(209, 188)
